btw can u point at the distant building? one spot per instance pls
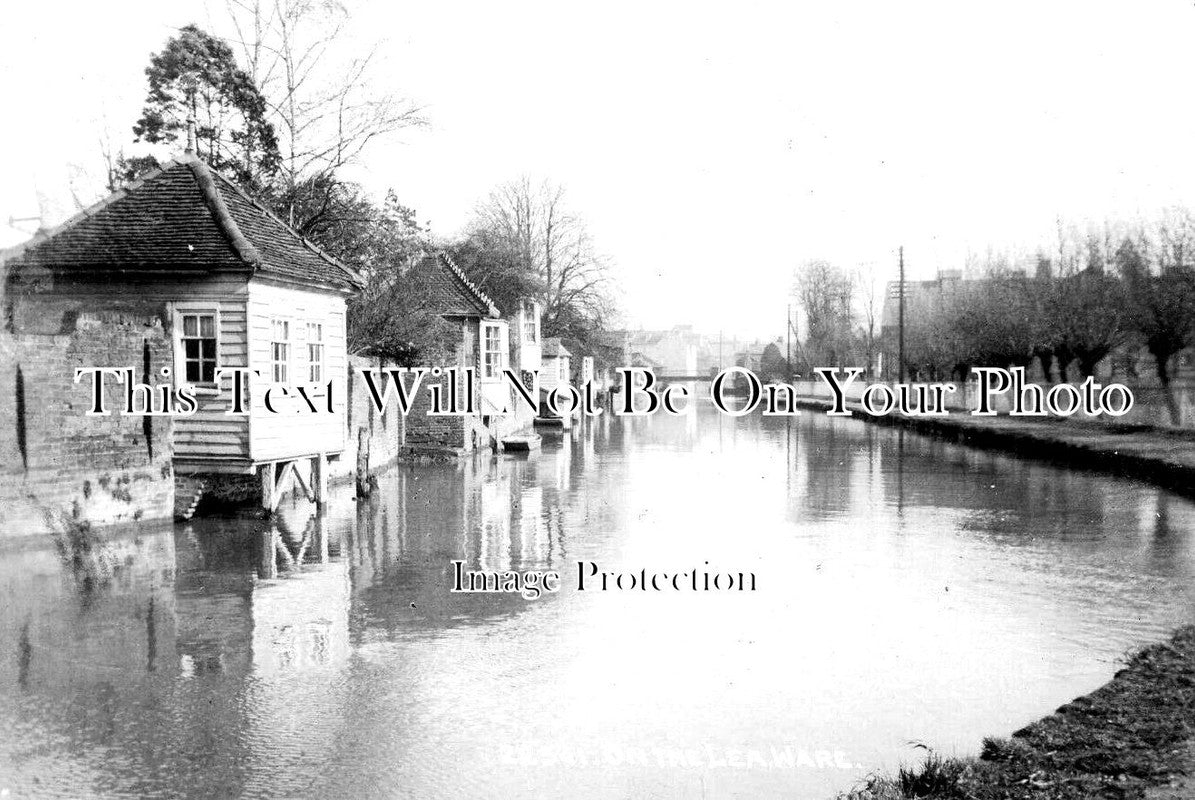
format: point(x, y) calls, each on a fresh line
point(673, 351)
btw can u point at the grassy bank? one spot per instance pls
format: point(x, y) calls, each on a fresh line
point(1164, 456)
point(1131, 734)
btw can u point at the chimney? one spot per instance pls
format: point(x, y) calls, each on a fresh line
point(190, 149)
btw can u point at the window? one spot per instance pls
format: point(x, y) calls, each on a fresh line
point(491, 350)
point(530, 328)
point(280, 350)
point(315, 352)
point(198, 343)
point(564, 370)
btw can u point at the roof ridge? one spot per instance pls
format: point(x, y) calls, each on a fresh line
point(349, 271)
point(223, 217)
point(460, 275)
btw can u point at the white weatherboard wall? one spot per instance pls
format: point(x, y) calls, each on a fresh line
point(527, 349)
point(289, 434)
point(210, 433)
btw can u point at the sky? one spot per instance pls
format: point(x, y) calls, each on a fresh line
point(711, 147)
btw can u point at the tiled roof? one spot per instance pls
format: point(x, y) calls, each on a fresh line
point(183, 216)
point(553, 348)
point(453, 294)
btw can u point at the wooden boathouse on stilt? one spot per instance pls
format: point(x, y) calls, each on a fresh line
point(233, 287)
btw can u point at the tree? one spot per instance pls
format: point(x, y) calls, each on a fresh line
point(773, 366)
point(931, 342)
point(996, 321)
point(195, 78)
point(827, 296)
point(393, 316)
point(323, 99)
point(1159, 282)
point(870, 292)
point(1082, 303)
point(524, 241)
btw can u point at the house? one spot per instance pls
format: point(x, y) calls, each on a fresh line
point(206, 280)
point(556, 365)
point(480, 339)
point(526, 351)
point(555, 371)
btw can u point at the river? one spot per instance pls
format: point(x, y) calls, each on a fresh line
point(907, 591)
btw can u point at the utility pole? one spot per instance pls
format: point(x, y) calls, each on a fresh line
point(901, 318)
point(788, 342)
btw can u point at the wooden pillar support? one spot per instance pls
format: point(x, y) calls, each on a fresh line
point(269, 499)
point(319, 478)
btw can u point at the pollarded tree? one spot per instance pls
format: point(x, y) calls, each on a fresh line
point(1159, 284)
point(196, 77)
point(1084, 314)
point(997, 321)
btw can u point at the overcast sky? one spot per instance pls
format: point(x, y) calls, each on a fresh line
point(711, 147)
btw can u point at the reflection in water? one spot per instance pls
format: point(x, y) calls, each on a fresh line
point(909, 589)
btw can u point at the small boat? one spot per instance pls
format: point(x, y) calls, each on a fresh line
point(523, 443)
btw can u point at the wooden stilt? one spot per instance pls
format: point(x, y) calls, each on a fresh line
point(307, 492)
point(319, 478)
point(267, 473)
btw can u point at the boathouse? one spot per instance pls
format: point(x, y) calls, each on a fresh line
point(215, 281)
point(481, 339)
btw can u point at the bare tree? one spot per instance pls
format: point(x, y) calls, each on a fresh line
point(826, 294)
point(327, 107)
point(870, 299)
point(525, 241)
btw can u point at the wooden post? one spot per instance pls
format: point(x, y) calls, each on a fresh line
point(901, 320)
point(266, 473)
point(268, 564)
point(319, 478)
point(362, 463)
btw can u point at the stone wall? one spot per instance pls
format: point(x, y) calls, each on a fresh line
point(61, 468)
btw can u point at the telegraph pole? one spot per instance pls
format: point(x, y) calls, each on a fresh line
point(901, 319)
point(788, 342)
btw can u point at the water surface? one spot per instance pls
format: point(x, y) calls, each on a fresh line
point(909, 590)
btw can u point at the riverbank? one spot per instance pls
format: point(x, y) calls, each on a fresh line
point(1131, 738)
point(1135, 736)
point(1165, 456)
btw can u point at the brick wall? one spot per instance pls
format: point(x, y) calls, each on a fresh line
point(384, 431)
point(457, 435)
point(63, 469)
point(436, 434)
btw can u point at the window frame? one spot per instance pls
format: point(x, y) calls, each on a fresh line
point(499, 352)
point(319, 342)
point(530, 321)
point(288, 342)
point(178, 313)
